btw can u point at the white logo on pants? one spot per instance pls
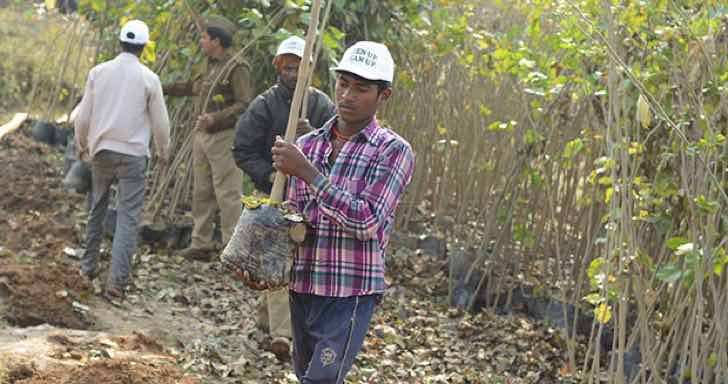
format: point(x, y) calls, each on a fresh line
point(328, 355)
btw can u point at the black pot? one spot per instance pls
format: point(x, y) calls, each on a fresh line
point(61, 135)
point(78, 177)
point(44, 132)
point(67, 6)
point(154, 233)
point(180, 237)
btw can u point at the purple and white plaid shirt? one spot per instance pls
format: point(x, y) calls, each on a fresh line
point(350, 210)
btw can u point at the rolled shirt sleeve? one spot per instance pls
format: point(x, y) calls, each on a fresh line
point(83, 118)
point(160, 120)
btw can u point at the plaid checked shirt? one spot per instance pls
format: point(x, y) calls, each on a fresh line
point(350, 210)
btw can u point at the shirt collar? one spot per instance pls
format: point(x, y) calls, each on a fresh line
point(224, 59)
point(128, 56)
point(368, 133)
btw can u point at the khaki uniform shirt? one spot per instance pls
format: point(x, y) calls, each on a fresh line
point(224, 100)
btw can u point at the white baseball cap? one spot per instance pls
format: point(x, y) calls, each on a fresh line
point(134, 32)
point(369, 60)
point(293, 45)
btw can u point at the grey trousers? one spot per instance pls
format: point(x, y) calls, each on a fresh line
point(129, 172)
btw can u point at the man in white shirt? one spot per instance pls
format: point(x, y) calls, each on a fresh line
point(121, 108)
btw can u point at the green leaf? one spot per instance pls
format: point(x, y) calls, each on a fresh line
point(706, 206)
point(721, 260)
point(608, 195)
point(674, 243)
point(713, 360)
point(670, 273)
point(593, 298)
point(595, 269)
point(485, 111)
point(572, 148)
point(603, 313)
point(529, 137)
point(501, 54)
point(606, 180)
point(536, 178)
point(502, 126)
point(97, 5)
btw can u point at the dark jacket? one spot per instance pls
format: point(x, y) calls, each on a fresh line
point(266, 118)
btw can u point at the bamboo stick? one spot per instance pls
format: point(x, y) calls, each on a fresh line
point(303, 70)
point(319, 45)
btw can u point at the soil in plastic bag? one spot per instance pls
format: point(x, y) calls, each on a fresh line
point(261, 245)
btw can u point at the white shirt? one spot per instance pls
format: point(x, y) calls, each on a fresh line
point(122, 106)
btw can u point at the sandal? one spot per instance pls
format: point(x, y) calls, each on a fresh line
point(112, 294)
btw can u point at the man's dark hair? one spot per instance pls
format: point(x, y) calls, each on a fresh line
point(381, 84)
point(218, 33)
point(134, 49)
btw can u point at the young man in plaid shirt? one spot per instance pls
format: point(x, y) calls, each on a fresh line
point(347, 178)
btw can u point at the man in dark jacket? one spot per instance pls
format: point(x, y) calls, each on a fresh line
point(267, 116)
point(255, 133)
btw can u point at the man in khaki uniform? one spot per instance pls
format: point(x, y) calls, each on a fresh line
point(217, 181)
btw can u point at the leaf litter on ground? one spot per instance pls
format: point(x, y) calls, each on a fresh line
point(206, 321)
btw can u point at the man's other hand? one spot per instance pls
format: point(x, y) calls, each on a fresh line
point(206, 122)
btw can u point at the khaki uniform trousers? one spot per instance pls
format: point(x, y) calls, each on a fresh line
point(217, 185)
point(279, 313)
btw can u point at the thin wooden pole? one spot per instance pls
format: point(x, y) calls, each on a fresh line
point(319, 46)
point(276, 195)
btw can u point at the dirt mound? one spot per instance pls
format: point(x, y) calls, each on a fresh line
point(84, 348)
point(37, 294)
point(46, 354)
point(15, 373)
point(112, 371)
point(138, 342)
point(36, 234)
point(37, 209)
point(29, 165)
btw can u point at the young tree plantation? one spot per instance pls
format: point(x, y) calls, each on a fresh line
point(565, 222)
